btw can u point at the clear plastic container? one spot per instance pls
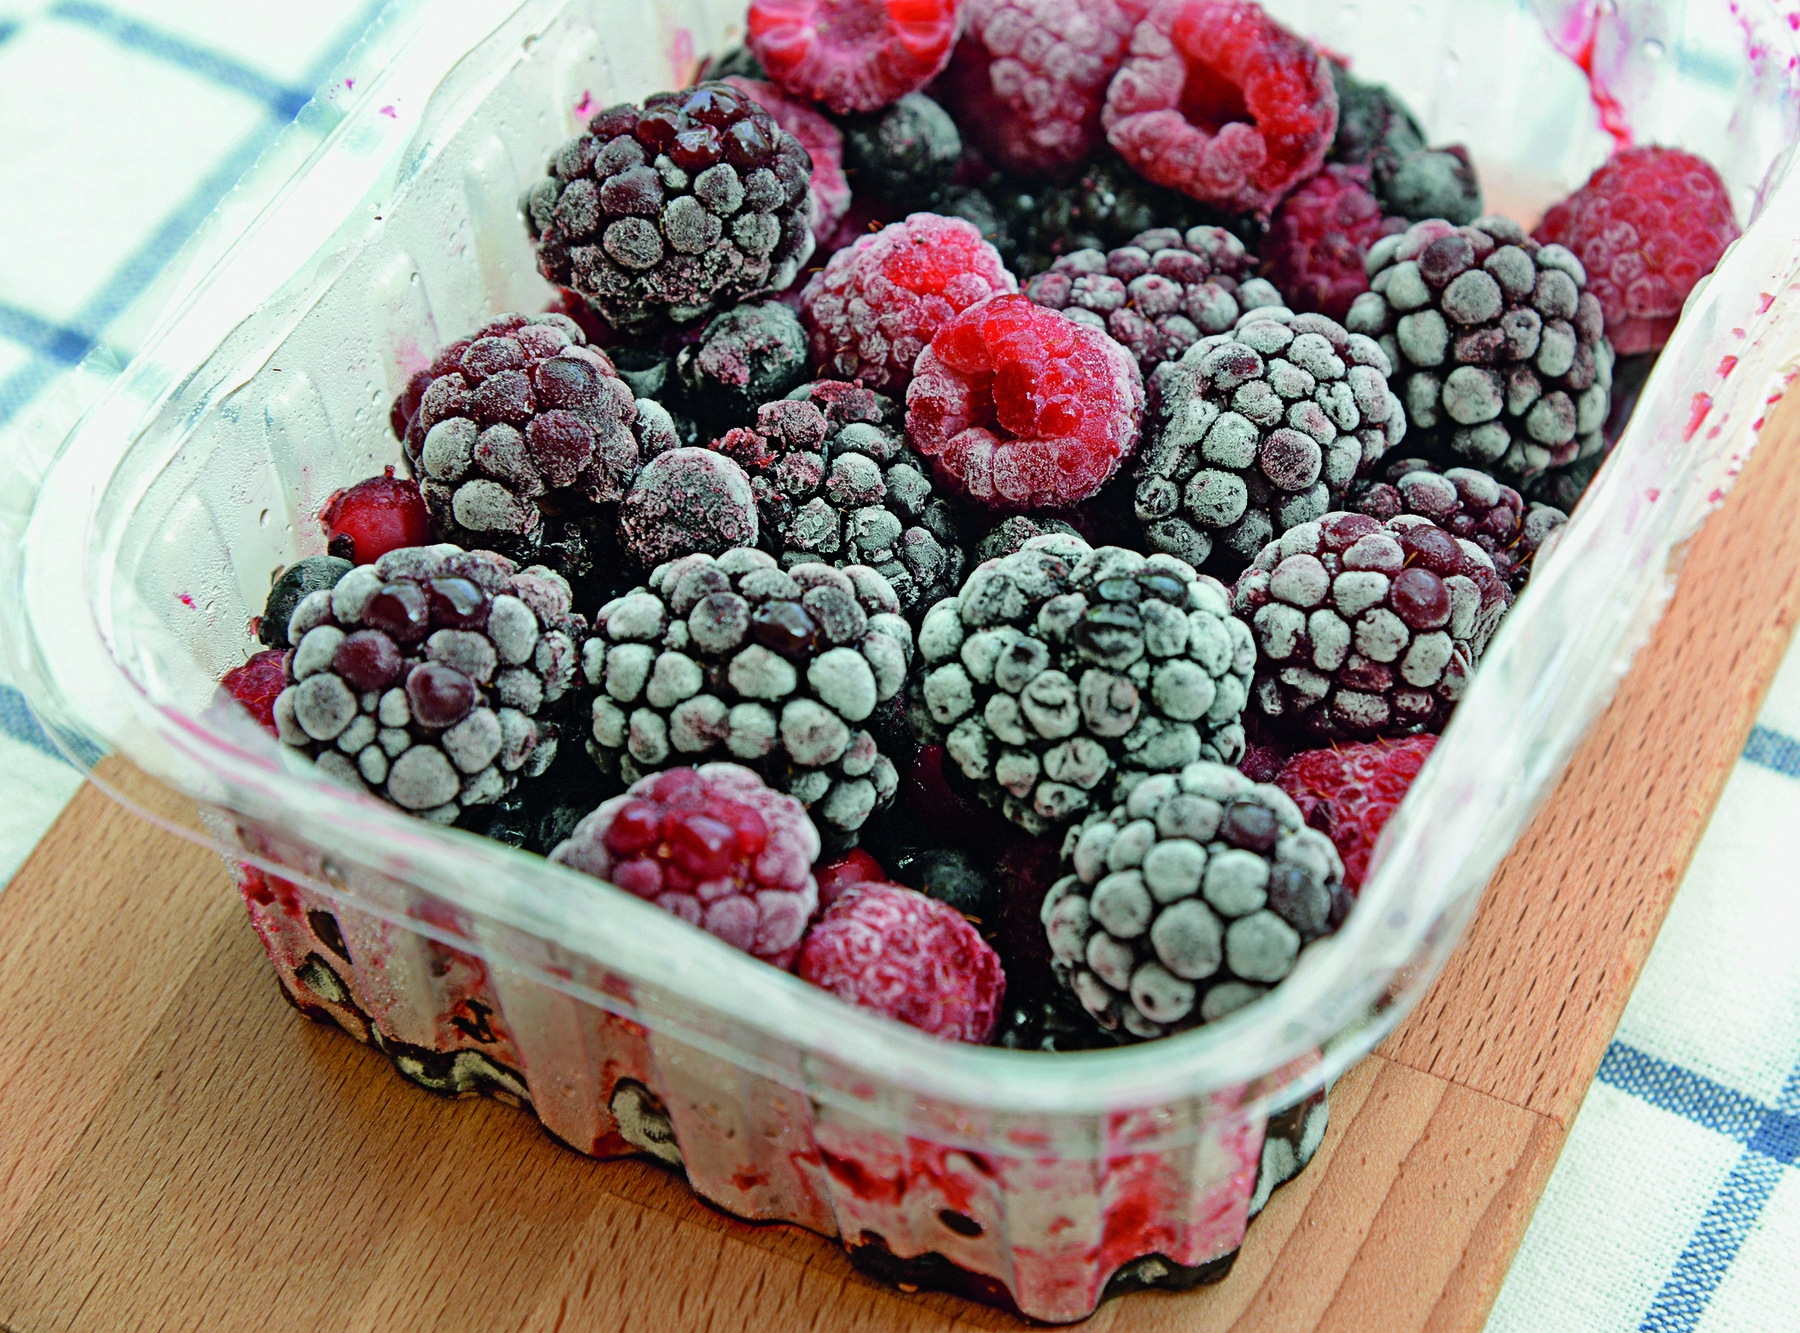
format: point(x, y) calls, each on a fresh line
point(1027, 1179)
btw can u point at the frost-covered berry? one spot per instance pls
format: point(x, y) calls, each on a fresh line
point(1349, 792)
point(1188, 900)
point(1365, 628)
point(1259, 429)
point(686, 501)
point(746, 356)
point(1061, 670)
point(823, 142)
point(1466, 503)
point(910, 957)
point(302, 577)
point(906, 153)
point(256, 685)
point(835, 482)
point(712, 845)
point(852, 55)
point(425, 676)
point(378, 514)
point(780, 670)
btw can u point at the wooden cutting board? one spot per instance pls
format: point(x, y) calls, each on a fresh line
point(180, 1149)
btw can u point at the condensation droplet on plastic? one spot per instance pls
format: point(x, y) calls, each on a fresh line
point(1348, 15)
point(1653, 49)
point(529, 42)
point(262, 519)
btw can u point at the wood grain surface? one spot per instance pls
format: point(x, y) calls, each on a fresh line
point(180, 1150)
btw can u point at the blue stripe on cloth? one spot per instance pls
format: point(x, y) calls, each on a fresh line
point(129, 281)
point(16, 721)
point(55, 341)
point(1687, 1094)
point(1734, 1210)
point(7, 28)
point(213, 65)
point(1773, 750)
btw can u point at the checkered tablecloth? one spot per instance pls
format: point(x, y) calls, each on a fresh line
point(1676, 1205)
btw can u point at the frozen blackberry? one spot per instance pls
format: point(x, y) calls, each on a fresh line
point(521, 422)
point(906, 153)
point(1062, 669)
point(670, 210)
point(736, 658)
point(836, 482)
point(293, 584)
point(1189, 900)
point(823, 144)
point(1259, 429)
point(1010, 534)
point(1465, 503)
point(687, 501)
point(1499, 354)
point(1159, 295)
point(747, 356)
point(1371, 120)
point(952, 876)
point(426, 676)
point(1429, 183)
point(1365, 628)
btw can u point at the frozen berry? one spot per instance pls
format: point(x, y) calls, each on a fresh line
point(907, 956)
point(952, 876)
point(906, 153)
point(1429, 183)
point(713, 846)
point(1217, 99)
point(852, 55)
point(1010, 534)
point(1647, 227)
point(822, 141)
point(256, 685)
point(1349, 791)
point(1314, 248)
point(687, 501)
point(290, 587)
point(1021, 407)
point(378, 514)
point(1028, 77)
point(667, 211)
point(1371, 121)
point(876, 304)
point(1465, 503)
point(747, 356)
point(855, 866)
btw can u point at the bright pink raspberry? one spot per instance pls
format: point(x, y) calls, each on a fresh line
point(820, 138)
point(1218, 100)
point(256, 684)
point(1316, 241)
point(379, 514)
point(852, 55)
point(907, 956)
point(1020, 407)
point(870, 311)
point(1647, 227)
point(714, 846)
point(1028, 77)
point(1349, 791)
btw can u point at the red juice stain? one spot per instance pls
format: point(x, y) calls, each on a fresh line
point(1763, 304)
point(349, 85)
point(1612, 111)
point(1702, 405)
point(585, 107)
point(187, 600)
point(390, 113)
point(1726, 366)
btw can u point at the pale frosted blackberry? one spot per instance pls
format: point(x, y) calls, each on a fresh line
point(836, 482)
point(1499, 354)
point(1465, 503)
point(747, 355)
point(670, 210)
point(735, 658)
point(427, 676)
point(1160, 294)
point(519, 423)
point(1010, 534)
point(1365, 628)
point(1189, 899)
point(1254, 431)
point(1061, 670)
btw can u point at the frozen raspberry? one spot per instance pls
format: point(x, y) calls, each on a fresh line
point(687, 501)
point(1189, 900)
point(876, 304)
point(1348, 792)
point(1465, 503)
point(854, 867)
point(1028, 77)
point(1647, 227)
point(747, 356)
point(909, 957)
point(852, 55)
point(668, 211)
point(1500, 355)
point(1314, 248)
point(256, 685)
point(1020, 407)
point(822, 141)
point(425, 677)
point(1367, 629)
point(1160, 294)
point(713, 846)
point(289, 588)
point(1219, 100)
point(378, 514)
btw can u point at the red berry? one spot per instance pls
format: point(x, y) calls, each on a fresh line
point(1021, 407)
point(255, 685)
point(907, 956)
point(852, 55)
point(1316, 241)
point(1348, 792)
point(1218, 100)
point(875, 305)
point(1647, 227)
point(380, 514)
point(854, 867)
